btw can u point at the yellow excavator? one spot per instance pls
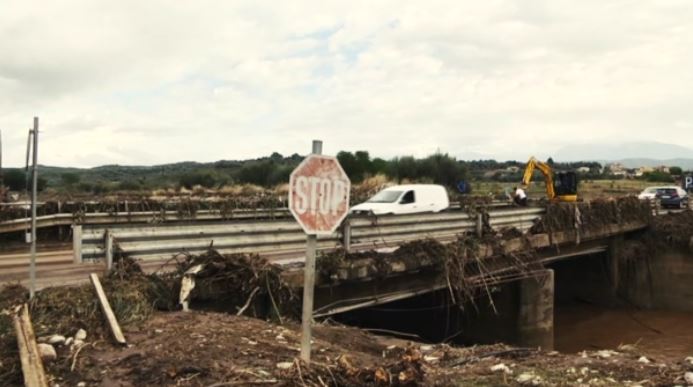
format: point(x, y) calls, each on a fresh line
point(560, 186)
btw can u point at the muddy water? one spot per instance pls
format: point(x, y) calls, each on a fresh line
point(663, 335)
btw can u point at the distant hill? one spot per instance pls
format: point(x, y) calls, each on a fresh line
point(686, 164)
point(623, 151)
point(630, 154)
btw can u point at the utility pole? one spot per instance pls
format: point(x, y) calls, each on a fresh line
point(34, 182)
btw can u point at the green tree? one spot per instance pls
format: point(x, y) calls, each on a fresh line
point(276, 157)
point(401, 168)
point(676, 171)
point(15, 179)
point(41, 184)
point(256, 172)
point(279, 175)
point(378, 165)
point(443, 169)
point(205, 179)
point(351, 166)
point(130, 185)
point(363, 159)
point(658, 176)
point(69, 178)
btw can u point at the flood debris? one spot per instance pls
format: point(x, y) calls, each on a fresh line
point(184, 204)
point(187, 284)
point(467, 268)
point(424, 252)
point(69, 318)
point(587, 216)
point(672, 230)
point(246, 282)
point(107, 312)
point(471, 275)
point(667, 232)
point(202, 348)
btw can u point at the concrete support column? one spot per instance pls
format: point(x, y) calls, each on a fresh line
point(535, 316)
point(615, 247)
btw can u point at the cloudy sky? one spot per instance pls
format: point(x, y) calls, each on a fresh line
point(147, 82)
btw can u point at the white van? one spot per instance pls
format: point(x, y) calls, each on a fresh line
point(405, 199)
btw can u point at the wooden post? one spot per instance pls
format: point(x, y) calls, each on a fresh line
point(32, 366)
point(106, 309)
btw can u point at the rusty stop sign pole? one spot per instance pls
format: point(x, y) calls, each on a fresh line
point(309, 283)
point(319, 200)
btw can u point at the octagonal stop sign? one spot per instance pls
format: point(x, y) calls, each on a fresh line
point(319, 194)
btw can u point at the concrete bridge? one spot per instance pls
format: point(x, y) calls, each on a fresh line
point(368, 281)
point(374, 273)
point(154, 241)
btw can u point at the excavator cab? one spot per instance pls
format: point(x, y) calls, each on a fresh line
point(565, 184)
point(560, 186)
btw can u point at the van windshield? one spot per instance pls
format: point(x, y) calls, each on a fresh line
point(385, 197)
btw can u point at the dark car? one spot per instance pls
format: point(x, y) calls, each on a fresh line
point(672, 197)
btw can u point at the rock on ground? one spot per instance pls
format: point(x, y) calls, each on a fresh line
point(47, 352)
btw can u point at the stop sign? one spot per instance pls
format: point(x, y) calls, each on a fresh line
point(319, 194)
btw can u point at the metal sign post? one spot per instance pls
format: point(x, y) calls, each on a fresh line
point(309, 282)
point(319, 200)
point(34, 182)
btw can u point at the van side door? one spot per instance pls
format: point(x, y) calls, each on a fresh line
point(407, 203)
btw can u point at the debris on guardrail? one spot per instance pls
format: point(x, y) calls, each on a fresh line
point(667, 232)
point(673, 229)
point(462, 261)
point(592, 215)
point(425, 252)
point(184, 207)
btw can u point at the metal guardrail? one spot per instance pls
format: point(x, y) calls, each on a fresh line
point(283, 236)
point(139, 217)
point(89, 218)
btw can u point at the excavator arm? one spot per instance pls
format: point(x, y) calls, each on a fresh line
point(545, 170)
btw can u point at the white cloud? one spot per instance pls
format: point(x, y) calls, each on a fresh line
point(135, 82)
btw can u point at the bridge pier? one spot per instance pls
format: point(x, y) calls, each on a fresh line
point(613, 258)
point(535, 315)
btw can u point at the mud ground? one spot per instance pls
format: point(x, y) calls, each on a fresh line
point(217, 349)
